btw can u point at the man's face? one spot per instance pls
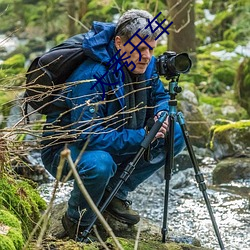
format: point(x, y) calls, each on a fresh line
point(145, 51)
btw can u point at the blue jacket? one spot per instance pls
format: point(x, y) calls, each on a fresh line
point(102, 123)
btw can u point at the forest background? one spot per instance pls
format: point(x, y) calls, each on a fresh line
point(214, 33)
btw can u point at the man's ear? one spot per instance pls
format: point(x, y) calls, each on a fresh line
point(118, 42)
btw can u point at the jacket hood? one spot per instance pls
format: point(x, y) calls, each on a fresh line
point(98, 43)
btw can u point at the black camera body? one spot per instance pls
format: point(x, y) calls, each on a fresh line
point(171, 65)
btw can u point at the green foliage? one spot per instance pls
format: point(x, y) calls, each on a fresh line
point(224, 75)
point(230, 21)
point(17, 61)
point(242, 84)
point(21, 199)
point(12, 67)
point(160, 49)
point(214, 101)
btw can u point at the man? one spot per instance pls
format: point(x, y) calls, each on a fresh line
point(111, 129)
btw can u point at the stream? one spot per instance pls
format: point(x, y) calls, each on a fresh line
point(187, 212)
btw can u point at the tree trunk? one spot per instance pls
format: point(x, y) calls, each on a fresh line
point(182, 37)
point(83, 7)
point(72, 13)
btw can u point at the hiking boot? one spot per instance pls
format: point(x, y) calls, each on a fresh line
point(121, 211)
point(75, 231)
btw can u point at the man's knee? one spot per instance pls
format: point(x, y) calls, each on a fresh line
point(97, 165)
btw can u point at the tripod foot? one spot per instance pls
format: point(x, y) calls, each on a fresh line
point(164, 232)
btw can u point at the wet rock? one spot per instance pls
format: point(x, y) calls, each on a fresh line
point(231, 169)
point(150, 234)
point(31, 167)
point(232, 139)
point(181, 179)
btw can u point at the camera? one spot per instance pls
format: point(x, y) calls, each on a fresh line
point(171, 65)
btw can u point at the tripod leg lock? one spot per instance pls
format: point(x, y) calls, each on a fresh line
point(127, 172)
point(200, 180)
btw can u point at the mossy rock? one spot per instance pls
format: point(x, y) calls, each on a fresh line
point(231, 169)
point(242, 84)
point(224, 75)
point(10, 231)
point(232, 139)
point(128, 244)
point(22, 200)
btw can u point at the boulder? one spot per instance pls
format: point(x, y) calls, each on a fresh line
point(231, 169)
point(150, 235)
point(197, 125)
point(232, 139)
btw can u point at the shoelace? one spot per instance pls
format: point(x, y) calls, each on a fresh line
point(127, 203)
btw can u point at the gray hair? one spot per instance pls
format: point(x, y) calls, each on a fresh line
point(132, 20)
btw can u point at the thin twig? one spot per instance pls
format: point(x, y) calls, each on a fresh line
point(77, 21)
point(137, 236)
point(66, 154)
point(99, 238)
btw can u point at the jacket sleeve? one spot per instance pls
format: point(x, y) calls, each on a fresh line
point(159, 95)
point(88, 117)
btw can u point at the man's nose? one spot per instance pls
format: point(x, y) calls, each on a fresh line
point(146, 54)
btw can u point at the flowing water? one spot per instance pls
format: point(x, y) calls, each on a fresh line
point(187, 212)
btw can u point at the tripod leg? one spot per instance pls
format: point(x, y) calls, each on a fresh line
point(129, 168)
point(199, 177)
point(168, 173)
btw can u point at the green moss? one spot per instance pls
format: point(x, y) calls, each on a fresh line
point(22, 200)
point(6, 243)
point(235, 125)
point(9, 219)
point(224, 75)
point(212, 100)
point(220, 131)
point(16, 237)
point(14, 234)
point(128, 244)
point(228, 45)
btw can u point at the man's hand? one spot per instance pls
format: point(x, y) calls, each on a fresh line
point(164, 128)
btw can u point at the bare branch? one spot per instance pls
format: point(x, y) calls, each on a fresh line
point(79, 22)
point(66, 154)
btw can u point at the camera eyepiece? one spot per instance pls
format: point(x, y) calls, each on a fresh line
point(170, 64)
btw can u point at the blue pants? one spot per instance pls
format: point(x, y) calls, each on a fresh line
point(99, 171)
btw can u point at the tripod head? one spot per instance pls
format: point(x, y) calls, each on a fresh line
point(174, 89)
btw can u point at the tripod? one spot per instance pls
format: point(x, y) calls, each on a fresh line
point(173, 90)
point(169, 163)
